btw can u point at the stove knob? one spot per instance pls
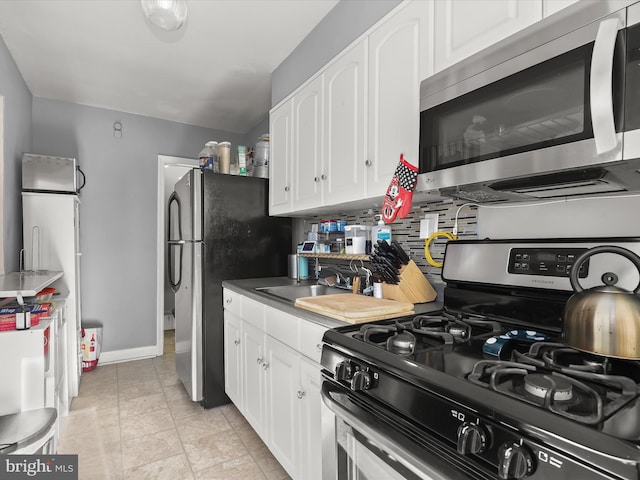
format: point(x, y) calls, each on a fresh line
point(344, 371)
point(361, 381)
point(472, 438)
point(515, 461)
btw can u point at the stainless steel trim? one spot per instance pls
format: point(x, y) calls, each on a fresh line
point(176, 242)
point(561, 157)
point(486, 263)
point(601, 93)
point(632, 144)
point(197, 370)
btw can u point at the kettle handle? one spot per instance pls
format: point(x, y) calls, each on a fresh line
point(628, 254)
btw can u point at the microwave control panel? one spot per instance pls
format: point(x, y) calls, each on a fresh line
point(552, 262)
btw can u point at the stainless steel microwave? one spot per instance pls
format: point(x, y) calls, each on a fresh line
point(44, 173)
point(551, 111)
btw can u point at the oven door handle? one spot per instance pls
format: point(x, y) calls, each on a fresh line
point(384, 441)
point(601, 80)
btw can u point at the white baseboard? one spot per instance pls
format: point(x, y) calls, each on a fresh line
point(127, 355)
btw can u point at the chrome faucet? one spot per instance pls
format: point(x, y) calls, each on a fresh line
point(341, 280)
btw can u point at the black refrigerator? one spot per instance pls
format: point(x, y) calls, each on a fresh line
point(218, 229)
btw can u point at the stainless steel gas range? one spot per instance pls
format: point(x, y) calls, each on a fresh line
point(485, 389)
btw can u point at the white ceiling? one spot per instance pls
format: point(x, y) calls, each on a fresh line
point(214, 72)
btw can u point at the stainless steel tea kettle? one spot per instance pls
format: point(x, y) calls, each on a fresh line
point(604, 320)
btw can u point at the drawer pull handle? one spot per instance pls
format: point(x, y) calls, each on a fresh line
point(259, 360)
point(228, 301)
point(265, 365)
point(236, 342)
point(301, 394)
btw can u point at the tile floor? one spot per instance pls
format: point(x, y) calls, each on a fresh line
point(135, 421)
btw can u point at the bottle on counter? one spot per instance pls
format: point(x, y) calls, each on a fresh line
point(381, 231)
point(208, 156)
point(377, 285)
point(242, 160)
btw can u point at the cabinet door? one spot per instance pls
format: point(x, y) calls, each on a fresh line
point(344, 126)
point(307, 145)
point(464, 27)
point(232, 358)
point(396, 58)
point(310, 466)
point(549, 7)
point(283, 383)
point(253, 383)
point(281, 136)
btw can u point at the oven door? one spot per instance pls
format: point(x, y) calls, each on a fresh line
point(359, 445)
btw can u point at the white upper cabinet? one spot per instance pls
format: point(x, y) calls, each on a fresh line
point(337, 140)
point(398, 59)
point(549, 7)
point(307, 145)
point(464, 27)
point(344, 126)
point(281, 136)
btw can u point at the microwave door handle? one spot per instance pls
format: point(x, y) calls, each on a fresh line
point(601, 79)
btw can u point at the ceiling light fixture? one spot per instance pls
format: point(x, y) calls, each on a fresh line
point(166, 14)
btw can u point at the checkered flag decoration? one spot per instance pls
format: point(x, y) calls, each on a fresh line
point(397, 201)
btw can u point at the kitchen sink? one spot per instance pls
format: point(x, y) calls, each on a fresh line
point(293, 292)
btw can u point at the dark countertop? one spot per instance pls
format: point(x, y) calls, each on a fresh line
point(247, 288)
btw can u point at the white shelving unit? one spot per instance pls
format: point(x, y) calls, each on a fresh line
point(37, 377)
point(26, 284)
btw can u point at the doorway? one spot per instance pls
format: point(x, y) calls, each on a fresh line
point(170, 170)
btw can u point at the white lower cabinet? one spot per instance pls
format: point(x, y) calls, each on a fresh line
point(310, 467)
point(276, 386)
point(282, 369)
point(253, 378)
point(232, 357)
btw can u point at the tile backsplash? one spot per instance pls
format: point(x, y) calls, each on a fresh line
point(407, 230)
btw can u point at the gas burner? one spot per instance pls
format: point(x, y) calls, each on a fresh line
point(540, 386)
point(402, 343)
point(460, 327)
point(586, 397)
point(558, 356)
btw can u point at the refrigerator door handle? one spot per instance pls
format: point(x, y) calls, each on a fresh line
point(171, 244)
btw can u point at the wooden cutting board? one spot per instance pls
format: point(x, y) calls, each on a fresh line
point(355, 308)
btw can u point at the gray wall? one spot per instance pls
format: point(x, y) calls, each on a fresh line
point(17, 140)
point(343, 24)
point(261, 128)
point(118, 207)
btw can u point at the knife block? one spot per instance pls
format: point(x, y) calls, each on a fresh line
point(412, 286)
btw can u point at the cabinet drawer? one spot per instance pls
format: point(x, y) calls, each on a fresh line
point(253, 312)
point(232, 301)
point(283, 327)
point(311, 340)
